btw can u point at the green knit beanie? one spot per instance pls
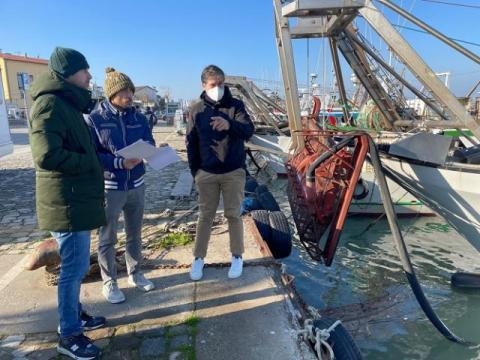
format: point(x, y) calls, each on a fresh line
point(66, 62)
point(116, 81)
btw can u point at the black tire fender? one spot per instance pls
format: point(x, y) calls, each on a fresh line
point(466, 280)
point(266, 199)
point(262, 222)
point(340, 340)
point(280, 243)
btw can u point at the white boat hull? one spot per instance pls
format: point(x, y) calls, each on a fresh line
point(452, 191)
point(372, 204)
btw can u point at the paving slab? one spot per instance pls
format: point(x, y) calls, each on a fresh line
point(28, 305)
point(7, 262)
point(245, 318)
point(171, 299)
point(219, 248)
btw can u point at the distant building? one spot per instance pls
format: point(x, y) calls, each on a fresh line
point(171, 107)
point(6, 145)
point(418, 105)
point(17, 74)
point(97, 91)
point(146, 96)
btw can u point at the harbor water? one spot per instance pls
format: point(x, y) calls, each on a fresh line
point(367, 289)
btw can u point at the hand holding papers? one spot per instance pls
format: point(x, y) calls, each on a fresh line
point(157, 158)
point(129, 164)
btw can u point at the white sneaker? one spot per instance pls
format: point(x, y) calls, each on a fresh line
point(236, 267)
point(112, 293)
point(140, 281)
point(196, 273)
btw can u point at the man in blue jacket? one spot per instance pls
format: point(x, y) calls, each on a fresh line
point(218, 126)
point(115, 125)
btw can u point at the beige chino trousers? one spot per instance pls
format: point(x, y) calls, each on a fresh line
point(209, 186)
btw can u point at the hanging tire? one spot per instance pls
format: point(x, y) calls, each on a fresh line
point(262, 222)
point(266, 199)
point(466, 280)
point(340, 340)
point(280, 242)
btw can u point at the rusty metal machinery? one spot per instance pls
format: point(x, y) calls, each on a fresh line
point(322, 180)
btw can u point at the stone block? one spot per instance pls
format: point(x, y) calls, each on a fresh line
point(152, 347)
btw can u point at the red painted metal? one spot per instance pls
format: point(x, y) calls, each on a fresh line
point(322, 204)
point(317, 104)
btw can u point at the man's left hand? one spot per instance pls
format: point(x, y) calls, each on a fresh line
point(220, 124)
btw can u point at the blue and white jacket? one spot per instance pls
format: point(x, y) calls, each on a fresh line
point(111, 131)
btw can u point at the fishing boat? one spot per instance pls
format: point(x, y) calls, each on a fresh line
point(324, 167)
point(450, 189)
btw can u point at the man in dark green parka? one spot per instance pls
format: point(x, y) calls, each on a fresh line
point(69, 186)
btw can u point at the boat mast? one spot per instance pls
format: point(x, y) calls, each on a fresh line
point(332, 19)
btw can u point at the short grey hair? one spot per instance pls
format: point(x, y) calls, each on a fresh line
point(212, 71)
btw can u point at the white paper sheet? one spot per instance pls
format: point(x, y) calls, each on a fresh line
point(157, 158)
point(138, 150)
point(164, 156)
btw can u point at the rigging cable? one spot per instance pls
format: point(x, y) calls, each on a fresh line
point(453, 4)
point(426, 32)
point(395, 58)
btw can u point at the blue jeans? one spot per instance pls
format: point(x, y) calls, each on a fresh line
point(74, 249)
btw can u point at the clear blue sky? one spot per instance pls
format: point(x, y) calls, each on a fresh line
point(167, 43)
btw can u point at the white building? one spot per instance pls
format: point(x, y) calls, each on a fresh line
point(146, 96)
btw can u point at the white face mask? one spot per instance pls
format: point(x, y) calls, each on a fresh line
point(216, 93)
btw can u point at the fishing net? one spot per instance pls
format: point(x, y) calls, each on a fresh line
point(321, 179)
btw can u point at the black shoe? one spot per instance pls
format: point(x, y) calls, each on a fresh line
point(91, 322)
point(78, 347)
